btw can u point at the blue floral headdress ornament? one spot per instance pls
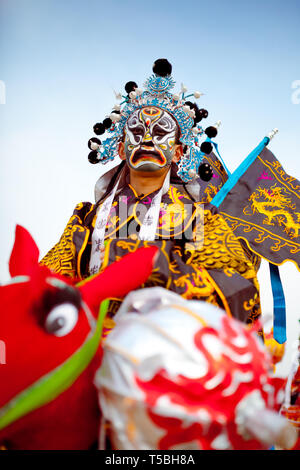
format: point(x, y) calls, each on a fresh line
point(158, 92)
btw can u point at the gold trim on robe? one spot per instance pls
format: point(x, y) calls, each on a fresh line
point(215, 268)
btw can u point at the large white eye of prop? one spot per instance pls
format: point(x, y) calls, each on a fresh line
point(62, 319)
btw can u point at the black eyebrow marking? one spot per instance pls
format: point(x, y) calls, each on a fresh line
point(53, 297)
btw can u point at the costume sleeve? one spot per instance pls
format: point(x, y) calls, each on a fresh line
point(66, 256)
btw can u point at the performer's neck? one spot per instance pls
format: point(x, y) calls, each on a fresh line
point(145, 182)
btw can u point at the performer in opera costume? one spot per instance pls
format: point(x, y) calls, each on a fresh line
point(172, 191)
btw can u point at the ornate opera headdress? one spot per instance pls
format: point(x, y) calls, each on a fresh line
point(158, 93)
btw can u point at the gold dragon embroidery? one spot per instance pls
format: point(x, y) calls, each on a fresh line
point(276, 207)
point(61, 258)
point(197, 286)
point(210, 192)
point(172, 215)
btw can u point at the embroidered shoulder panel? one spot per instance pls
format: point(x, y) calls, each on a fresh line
point(64, 256)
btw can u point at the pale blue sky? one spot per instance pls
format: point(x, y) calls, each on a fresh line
point(61, 59)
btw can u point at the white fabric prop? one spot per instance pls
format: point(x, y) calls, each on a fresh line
point(181, 374)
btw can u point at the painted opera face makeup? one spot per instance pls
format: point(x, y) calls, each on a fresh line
point(150, 136)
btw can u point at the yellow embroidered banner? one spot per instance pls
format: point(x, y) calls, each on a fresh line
point(263, 208)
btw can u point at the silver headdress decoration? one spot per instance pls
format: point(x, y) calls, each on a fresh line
point(157, 93)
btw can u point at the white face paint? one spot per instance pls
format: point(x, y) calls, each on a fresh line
point(150, 135)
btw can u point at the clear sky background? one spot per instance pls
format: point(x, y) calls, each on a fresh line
point(61, 59)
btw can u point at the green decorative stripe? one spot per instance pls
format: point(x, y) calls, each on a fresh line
point(51, 385)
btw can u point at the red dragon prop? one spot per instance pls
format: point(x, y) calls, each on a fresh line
point(51, 330)
point(180, 374)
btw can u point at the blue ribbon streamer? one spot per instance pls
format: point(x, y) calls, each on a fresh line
point(279, 320)
point(279, 308)
point(233, 179)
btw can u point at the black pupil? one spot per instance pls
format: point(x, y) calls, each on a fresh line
point(138, 131)
point(56, 325)
point(159, 131)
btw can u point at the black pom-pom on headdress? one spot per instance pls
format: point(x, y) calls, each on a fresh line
point(211, 132)
point(93, 157)
point(93, 143)
point(99, 128)
point(192, 105)
point(198, 115)
point(206, 148)
point(205, 171)
point(107, 122)
point(162, 67)
point(203, 113)
point(130, 86)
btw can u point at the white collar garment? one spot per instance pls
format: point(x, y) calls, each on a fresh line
point(149, 225)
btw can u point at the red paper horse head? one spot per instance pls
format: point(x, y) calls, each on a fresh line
point(50, 336)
